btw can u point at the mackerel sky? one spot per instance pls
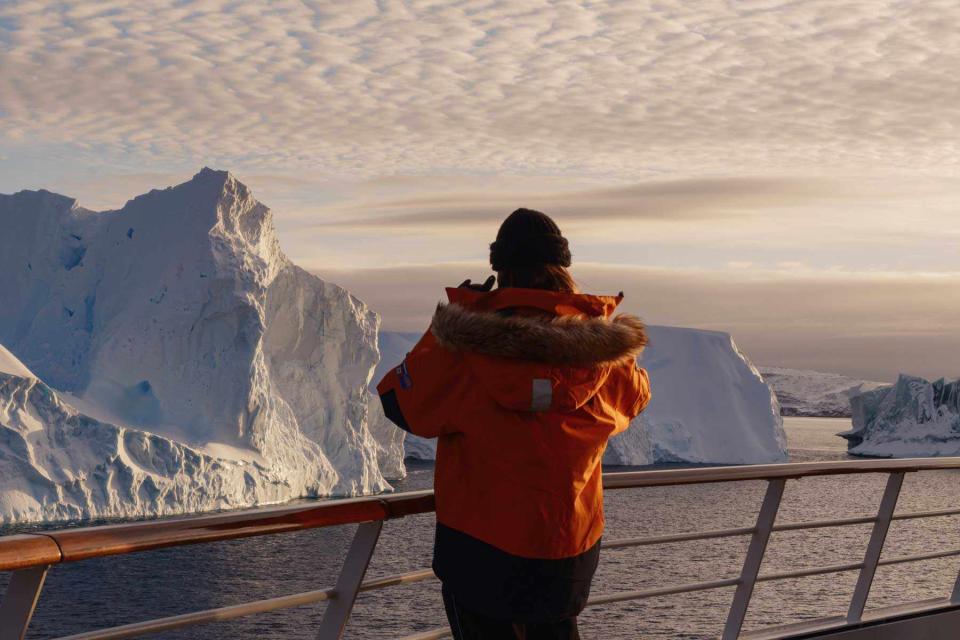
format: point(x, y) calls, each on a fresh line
point(785, 171)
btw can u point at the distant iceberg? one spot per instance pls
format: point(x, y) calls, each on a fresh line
point(710, 404)
point(815, 393)
point(914, 417)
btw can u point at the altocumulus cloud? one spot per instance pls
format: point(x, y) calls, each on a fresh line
point(615, 88)
point(671, 138)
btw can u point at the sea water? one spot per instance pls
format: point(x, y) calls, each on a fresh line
point(123, 589)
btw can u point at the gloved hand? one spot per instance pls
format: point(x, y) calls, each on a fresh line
point(486, 286)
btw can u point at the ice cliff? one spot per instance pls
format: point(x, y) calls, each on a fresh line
point(710, 404)
point(914, 417)
point(182, 362)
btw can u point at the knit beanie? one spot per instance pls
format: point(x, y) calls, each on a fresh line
point(529, 238)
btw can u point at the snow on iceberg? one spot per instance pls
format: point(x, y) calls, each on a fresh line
point(59, 464)
point(710, 404)
point(186, 363)
point(10, 365)
point(914, 417)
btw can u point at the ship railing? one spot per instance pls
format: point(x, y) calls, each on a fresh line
point(30, 556)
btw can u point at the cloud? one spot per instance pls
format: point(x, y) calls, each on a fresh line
point(687, 199)
point(608, 89)
point(870, 324)
point(673, 133)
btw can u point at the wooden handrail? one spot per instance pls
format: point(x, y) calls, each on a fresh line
point(27, 550)
point(94, 542)
point(69, 545)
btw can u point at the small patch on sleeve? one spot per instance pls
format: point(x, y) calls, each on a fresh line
point(542, 396)
point(405, 380)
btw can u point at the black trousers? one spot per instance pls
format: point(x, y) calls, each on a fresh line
point(470, 625)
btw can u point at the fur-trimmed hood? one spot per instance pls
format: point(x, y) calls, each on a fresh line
point(566, 340)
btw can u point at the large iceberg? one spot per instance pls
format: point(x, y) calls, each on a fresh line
point(182, 362)
point(914, 417)
point(710, 404)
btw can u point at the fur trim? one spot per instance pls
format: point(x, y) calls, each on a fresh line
point(564, 340)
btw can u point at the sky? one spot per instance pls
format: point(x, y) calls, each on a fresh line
point(784, 171)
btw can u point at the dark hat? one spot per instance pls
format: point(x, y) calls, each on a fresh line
point(529, 238)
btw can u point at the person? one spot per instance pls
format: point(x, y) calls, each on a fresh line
point(522, 386)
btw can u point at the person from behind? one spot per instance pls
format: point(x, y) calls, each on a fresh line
point(522, 386)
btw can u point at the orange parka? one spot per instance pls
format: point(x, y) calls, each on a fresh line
point(522, 388)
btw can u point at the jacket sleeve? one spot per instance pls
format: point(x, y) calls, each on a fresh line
point(420, 395)
point(642, 393)
point(633, 396)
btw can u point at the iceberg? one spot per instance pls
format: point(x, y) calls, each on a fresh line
point(709, 405)
point(914, 417)
point(815, 393)
point(57, 463)
point(170, 358)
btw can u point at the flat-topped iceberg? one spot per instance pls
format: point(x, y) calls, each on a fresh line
point(182, 362)
point(914, 417)
point(710, 404)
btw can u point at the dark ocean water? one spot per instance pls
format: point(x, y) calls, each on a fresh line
point(106, 592)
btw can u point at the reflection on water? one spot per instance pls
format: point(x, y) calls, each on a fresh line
point(99, 593)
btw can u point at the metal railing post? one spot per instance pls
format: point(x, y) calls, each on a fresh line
point(955, 596)
point(751, 564)
point(349, 581)
point(875, 547)
point(20, 600)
